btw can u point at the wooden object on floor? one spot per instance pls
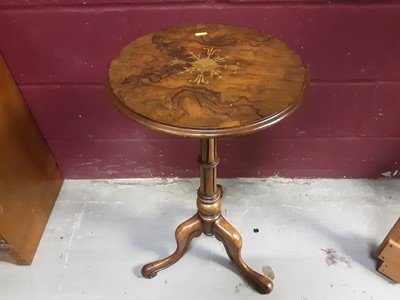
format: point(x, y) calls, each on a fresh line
point(208, 81)
point(29, 177)
point(389, 253)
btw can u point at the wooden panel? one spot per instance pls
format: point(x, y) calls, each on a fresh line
point(389, 253)
point(20, 3)
point(382, 114)
point(29, 178)
point(390, 256)
point(394, 234)
point(287, 157)
point(72, 44)
point(85, 112)
point(77, 44)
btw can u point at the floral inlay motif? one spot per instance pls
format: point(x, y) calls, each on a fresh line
point(204, 66)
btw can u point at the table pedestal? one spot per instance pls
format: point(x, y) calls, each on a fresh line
point(208, 220)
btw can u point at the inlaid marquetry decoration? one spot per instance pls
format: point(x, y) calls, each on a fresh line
point(207, 80)
point(209, 65)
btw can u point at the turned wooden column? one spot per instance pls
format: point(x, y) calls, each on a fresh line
point(208, 195)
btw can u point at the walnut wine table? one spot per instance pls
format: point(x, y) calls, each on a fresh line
point(208, 81)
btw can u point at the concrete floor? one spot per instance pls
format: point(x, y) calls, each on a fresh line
point(315, 235)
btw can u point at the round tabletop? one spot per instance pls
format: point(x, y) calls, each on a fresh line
point(207, 80)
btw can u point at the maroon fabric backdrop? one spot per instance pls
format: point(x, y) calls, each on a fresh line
point(349, 126)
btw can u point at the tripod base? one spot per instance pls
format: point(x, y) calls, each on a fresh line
point(225, 233)
point(208, 220)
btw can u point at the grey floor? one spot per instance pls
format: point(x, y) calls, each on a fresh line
point(314, 236)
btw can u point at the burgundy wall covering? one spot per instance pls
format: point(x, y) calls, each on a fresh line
point(349, 126)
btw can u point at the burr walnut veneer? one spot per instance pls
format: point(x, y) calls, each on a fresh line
point(208, 81)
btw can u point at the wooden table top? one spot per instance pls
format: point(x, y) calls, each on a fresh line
point(207, 80)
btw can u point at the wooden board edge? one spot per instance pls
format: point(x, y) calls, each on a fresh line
point(50, 191)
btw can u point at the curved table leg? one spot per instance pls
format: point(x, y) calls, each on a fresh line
point(221, 190)
point(184, 234)
point(232, 241)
